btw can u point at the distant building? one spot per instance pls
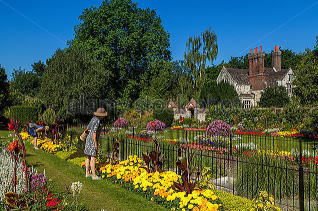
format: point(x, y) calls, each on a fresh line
point(191, 110)
point(250, 83)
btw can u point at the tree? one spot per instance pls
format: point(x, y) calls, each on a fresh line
point(218, 93)
point(38, 68)
point(200, 50)
point(127, 41)
point(306, 77)
point(182, 89)
point(3, 89)
point(25, 82)
point(71, 74)
point(276, 96)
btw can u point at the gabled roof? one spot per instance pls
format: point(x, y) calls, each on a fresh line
point(192, 104)
point(172, 104)
point(240, 76)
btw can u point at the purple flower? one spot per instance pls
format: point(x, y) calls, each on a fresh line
point(121, 123)
point(155, 125)
point(218, 128)
point(37, 181)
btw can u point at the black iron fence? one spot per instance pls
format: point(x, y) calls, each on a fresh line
point(241, 164)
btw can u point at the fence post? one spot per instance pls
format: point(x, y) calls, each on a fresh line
point(301, 178)
point(231, 144)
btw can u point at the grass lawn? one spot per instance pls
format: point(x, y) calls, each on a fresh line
point(4, 134)
point(96, 195)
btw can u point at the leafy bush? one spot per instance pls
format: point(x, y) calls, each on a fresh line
point(234, 203)
point(164, 115)
point(23, 114)
point(274, 97)
point(190, 121)
point(138, 119)
point(49, 116)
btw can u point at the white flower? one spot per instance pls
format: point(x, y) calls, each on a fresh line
point(76, 187)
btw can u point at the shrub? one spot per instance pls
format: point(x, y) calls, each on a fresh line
point(138, 119)
point(155, 125)
point(164, 115)
point(219, 128)
point(274, 97)
point(23, 114)
point(234, 203)
point(121, 123)
point(49, 116)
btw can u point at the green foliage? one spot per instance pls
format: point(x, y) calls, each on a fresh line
point(39, 68)
point(219, 93)
point(234, 203)
point(63, 81)
point(164, 115)
point(49, 116)
point(146, 103)
point(264, 202)
point(129, 42)
point(200, 50)
point(306, 78)
point(23, 114)
point(138, 119)
point(25, 82)
point(4, 92)
point(274, 97)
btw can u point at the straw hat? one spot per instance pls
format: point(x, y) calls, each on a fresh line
point(100, 112)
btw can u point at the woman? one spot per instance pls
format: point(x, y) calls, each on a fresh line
point(91, 144)
point(34, 131)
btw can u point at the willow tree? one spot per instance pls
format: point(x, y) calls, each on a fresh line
point(200, 50)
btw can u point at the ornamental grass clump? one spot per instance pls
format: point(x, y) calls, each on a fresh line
point(154, 126)
point(219, 128)
point(121, 123)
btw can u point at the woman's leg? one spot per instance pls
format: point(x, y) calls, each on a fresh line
point(87, 163)
point(35, 144)
point(93, 159)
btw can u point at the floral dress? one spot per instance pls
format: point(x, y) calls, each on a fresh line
point(93, 127)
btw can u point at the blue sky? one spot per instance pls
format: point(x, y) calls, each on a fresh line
point(32, 30)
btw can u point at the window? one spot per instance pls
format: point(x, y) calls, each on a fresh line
point(289, 89)
point(290, 77)
point(247, 104)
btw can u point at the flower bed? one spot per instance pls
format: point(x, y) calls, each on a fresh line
point(159, 186)
point(140, 138)
point(247, 132)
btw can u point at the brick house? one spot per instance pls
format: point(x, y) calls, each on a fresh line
point(250, 83)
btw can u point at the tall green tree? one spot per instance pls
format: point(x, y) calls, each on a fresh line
point(4, 91)
point(218, 93)
point(25, 82)
point(306, 77)
point(200, 50)
point(38, 68)
point(71, 74)
point(127, 41)
point(276, 96)
point(182, 83)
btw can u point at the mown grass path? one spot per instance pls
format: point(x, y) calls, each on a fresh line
point(96, 195)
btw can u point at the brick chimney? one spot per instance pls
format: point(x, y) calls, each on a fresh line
point(256, 69)
point(277, 58)
point(256, 61)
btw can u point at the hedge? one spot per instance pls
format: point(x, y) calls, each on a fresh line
point(234, 203)
point(164, 115)
point(23, 114)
